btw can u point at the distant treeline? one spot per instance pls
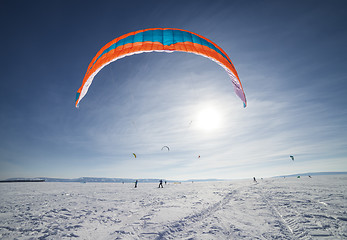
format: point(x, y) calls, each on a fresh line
point(148, 180)
point(23, 180)
point(313, 174)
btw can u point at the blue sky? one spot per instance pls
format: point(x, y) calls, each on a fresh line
point(290, 57)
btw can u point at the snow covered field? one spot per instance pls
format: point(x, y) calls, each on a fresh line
point(276, 208)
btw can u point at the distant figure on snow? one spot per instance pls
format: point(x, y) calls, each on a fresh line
point(136, 184)
point(165, 182)
point(254, 179)
point(161, 184)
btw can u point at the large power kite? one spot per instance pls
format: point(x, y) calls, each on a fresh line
point(159, 40)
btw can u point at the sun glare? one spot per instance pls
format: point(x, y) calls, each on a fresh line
point(208, 119)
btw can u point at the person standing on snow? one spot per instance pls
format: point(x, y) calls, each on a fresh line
point(161, 184)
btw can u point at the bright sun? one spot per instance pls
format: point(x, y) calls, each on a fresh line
point(208, 119)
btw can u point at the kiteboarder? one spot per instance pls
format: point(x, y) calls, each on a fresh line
point(161, 183)
point(136, 184)
point(254, 179)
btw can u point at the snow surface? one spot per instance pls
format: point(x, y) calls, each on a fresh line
point(276, 208)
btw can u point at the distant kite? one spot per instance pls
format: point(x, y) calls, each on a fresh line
point(166, 148)
point(134, 155)
point(292, 157)
point(159, 40)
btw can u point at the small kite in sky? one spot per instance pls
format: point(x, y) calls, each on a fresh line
point(166, 148)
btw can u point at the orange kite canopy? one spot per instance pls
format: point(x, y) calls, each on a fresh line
point(159, 40)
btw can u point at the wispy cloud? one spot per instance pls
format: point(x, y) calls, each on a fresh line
point(292, 72)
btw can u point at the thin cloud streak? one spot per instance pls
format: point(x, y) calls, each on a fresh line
point(280, 130)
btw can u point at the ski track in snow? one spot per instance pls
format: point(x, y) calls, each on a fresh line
point(277, 208)
point(304, 212)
